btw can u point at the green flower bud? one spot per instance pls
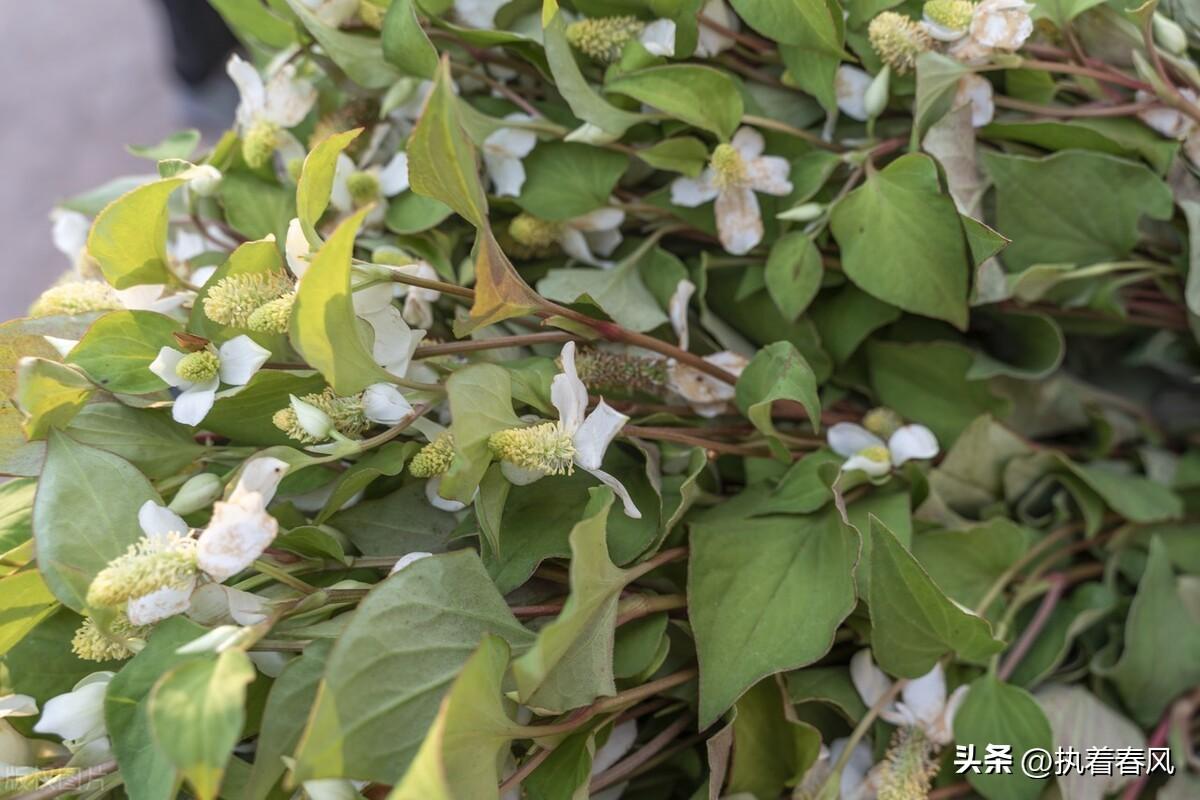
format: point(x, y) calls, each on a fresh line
point(546, 448)
point(805, 212)
point(434, 458)
point(258, 143)
point(898, 40)
point(345, 413)
point(363, 187)
point(875, 99)
point(199, 491)
point(1169, 35)
point(199, 367)
point(603, 38)
point(882, 422)
point(534, 233)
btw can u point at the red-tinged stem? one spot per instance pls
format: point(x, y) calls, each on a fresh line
point(1033, 630)
point(473, 345)
point(617, 772)
point(1125, 110)
point(1107, 76)
point(1157, 739)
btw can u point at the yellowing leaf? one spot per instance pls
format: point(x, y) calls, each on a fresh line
point(129, 237)
point(316, 179)
point(324, 325)
point(500, 292)
point(442, 162)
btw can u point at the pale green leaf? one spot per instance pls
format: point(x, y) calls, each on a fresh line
point(794, 272)
point(480, 404)
point(405, 44)
point(129, 237)
point(50, 394)
point(777, 372)
point(995, 712)
point(701, 96)
point(118, 349)
point(316, 179)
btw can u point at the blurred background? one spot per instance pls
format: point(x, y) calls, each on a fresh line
point(79, 80)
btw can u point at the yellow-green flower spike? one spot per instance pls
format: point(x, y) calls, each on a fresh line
point(272, 317)
point(363, 187)
point(909, 767)
point(76, 297)
point(546, 448)
point(602, 370)
point(371, 14)
point(603, 38)
point(953, 15)
point(882, 422)
point(898, 40)
point(539, 235)
point(199, 367)
point(434, 458)
point(346, 413)
point(878, 454)
point(234, 298)
point(154, 562)
point(92, 644)
point(258, 143)
point(729, 167)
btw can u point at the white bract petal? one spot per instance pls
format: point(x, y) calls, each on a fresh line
point(659, 37)
point(193, 403)
point(748, 142)
point(567, 393)
point(385, 404)
point(78, 715)
point(520, 476)
point(288, 98)
point(620, 740)
point(706, 395)
point(241, 357)
point(17, 705)
point(506, 173)
point(236, 535)
point(863, 462)
point(851, 85)
point(869, 680)
point(596, 433)
point(165, 364)
point(395, 342)
point(393, 178)
point(631, 509)
point(693, 192)
point(1002, 24)
point(769, 175)
point(406, 559)
point(710, 42)
point(339, 191)
point(739, 220)
point(70, 232)
point(259, 480)
point(156, 520)
point(296, 248)
point(848, 438)
point(160, 604)
point(912, 442)
point(677, 310)
point(978, 92)
point(251, 91)
point(925, 696)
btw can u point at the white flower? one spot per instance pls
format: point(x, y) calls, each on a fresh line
point(332, 12)
point(978, 92)
point(589, 434)
point(868, 453)
point(15, 750)
point(214, 604)
point(503, 150)
point(160, 522)
point(923, 702)
point(851, 85)
point(240, 528)
point(283, 101)
point(995, 25)
point(1002, 24)
point(406, 559)
point(385, 404)
point(69, 232)
point(860, 776)
point(736, 172)
point(78, 718)
point(478, 13)
point(707, 396)
point(198, 375)
point(377, 182)
point(394, 342)
point(709, 42)
point(418, 301)
point(203, 179)
point(596, 232)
